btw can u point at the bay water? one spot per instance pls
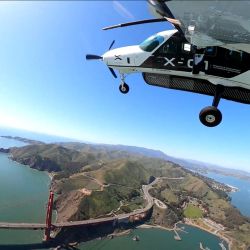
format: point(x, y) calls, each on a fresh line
point(241, 198)
point(23, 198)
point(158, 239)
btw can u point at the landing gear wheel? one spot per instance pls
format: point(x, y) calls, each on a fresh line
point(124, 88)
point(210, 116)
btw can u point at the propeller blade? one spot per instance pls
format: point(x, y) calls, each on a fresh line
point(112, 72)
point(111, 45)
point(135, 23)
point(93, 57)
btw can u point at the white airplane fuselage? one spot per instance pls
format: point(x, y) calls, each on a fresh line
point(161, 60)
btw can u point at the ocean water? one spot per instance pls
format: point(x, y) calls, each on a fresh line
point(23, 198)
point(157, 239)
point(240, 199)
point(31, 135)
point(8, 143)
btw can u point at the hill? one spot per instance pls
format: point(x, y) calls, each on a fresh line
point(118, 148)
point(56, 158)
point(96, 181)
point(193, 165)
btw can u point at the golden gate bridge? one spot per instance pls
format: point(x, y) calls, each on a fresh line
point(48, 226)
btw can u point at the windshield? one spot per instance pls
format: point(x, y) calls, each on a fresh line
point(151, 43)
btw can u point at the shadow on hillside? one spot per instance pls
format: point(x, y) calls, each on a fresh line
point(77, 234)
point(35, 246)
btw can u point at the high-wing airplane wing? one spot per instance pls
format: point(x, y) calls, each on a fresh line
point(209, 23)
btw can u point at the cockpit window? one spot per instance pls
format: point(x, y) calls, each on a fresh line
point(151, 43)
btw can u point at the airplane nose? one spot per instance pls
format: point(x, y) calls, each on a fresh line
point(108, 57)
point(105, 57)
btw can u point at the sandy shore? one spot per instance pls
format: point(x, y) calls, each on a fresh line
point(154, 226)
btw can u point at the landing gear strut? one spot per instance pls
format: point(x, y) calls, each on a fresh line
point(211, 116)
point(124, 88)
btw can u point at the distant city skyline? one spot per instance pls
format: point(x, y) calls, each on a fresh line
point(47, 86)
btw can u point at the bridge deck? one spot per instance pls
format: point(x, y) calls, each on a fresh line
point(34, 226)
point(7, 225)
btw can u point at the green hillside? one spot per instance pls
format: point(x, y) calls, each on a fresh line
point(193, 212)
point(115, 178)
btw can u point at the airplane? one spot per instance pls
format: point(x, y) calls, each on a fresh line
point(206, 52)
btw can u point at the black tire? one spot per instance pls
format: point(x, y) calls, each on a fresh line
point(210, 116)
point(124, 88)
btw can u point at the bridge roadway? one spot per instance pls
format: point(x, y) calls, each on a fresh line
point(36, 226)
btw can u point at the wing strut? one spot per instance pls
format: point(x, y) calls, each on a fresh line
point(175, 22)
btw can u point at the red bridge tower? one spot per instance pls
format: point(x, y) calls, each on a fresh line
point(49, 217)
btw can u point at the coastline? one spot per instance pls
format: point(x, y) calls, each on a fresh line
point(126, 232)
point(233, 188)
point(51, 175)
point(155, 226)
point(213, 231)
point(219, 235)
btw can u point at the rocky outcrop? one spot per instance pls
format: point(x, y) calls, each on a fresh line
point(39, 163)
point(164, 217)
point(4, 150)
point(67, 205)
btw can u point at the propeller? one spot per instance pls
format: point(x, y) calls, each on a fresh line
point(93, 57)
point(111, 45)
point(112, 72)
point(96, 57)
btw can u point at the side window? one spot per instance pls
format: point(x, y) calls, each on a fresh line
point(186, 48)
point(170, 47)
point(151, 43)
point(234, 56)
point(211, 51)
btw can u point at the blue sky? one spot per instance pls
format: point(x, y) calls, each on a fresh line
point(46, 85)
